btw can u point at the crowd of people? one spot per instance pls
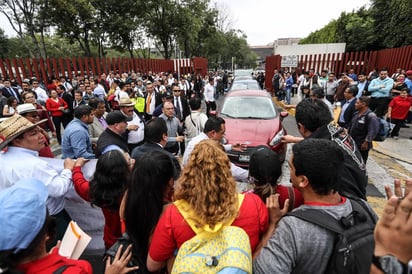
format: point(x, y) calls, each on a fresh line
point(163, 177)
point(361, 99)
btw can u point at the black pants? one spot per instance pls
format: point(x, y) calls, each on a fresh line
point(398, 123)
point(57, 121)
point(211, 105)
point(379, 105)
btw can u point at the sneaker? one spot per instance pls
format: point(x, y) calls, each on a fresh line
point(395, 137)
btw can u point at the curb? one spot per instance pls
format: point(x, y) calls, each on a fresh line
point(385, 152)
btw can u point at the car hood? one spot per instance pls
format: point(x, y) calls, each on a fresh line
point(254, 131)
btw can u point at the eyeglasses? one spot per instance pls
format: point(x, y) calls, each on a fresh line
point(34, 115)
point(177, 90)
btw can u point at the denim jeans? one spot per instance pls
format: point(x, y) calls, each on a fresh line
point(288, 93)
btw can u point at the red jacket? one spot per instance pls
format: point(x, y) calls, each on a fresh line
point(53, 107)
point(112, 225)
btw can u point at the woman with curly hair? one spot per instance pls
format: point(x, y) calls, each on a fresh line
point(207, 185)
point(106, 189)
point(149, 191)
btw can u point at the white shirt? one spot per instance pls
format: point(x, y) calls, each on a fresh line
point(18, 163)
point(41, 94)
point(118, 94)
point(136, 136)
point(199, 119)
point(209, 93)
point(238, 173)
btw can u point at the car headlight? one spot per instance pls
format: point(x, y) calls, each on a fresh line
point(277, 138)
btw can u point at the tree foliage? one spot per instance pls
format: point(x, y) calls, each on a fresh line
point(177, 28)
point(386, 24)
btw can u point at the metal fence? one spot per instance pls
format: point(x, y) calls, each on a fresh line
point(19, 68)
point(364, 61)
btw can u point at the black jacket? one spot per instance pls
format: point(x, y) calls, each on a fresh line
point(353, 175)
point(108, 137)
point(147, 147)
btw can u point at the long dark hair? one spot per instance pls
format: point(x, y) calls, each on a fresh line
point(109, 180)
point(145, 198)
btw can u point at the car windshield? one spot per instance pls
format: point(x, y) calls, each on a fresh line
point(243, 72)
point(249, 107)
point(245, 85)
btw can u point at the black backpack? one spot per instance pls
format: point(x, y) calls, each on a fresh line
point(354, 242)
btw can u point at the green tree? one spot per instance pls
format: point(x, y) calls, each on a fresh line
point(4, 44)
point(23, 18)
point(77, 23)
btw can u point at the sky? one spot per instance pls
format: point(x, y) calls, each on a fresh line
point(264, 21)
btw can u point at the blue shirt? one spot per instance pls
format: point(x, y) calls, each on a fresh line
point(99, 92)
point(76, 141)
point(380, 88)
point(408, 83)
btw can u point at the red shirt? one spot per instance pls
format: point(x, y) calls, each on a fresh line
point(172, 230)
point(284, 194)
point(52, 262)
point(112, 225)
point(54, 106)
point(400, 107)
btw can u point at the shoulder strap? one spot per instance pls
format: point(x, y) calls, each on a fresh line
point(291, 198)
point(189, 215)
point(325, 220)
point(318, 217)
point(61, 269)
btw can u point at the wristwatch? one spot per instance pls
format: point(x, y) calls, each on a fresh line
point(389, 264)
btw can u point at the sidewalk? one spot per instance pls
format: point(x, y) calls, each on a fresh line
point(400, 149)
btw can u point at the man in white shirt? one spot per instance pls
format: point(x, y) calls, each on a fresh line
point(42, 95)
point(215, 129)
point(135, 127)
point(210, 97)
point(67, 85)
point(21, 160)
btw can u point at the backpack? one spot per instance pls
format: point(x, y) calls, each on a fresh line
point(354, 242)
point(384, 130)
point(224, 251)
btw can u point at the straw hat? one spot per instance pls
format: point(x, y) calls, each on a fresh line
point(25, 108)
point(125, 102)
point(13, 127)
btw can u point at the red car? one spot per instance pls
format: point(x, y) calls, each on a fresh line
point(252, 119)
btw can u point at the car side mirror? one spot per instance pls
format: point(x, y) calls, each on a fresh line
point(283, 115)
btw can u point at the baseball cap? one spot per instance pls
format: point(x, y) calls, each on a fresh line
point(117, 116)
point(265, 165)
point(23, 213)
